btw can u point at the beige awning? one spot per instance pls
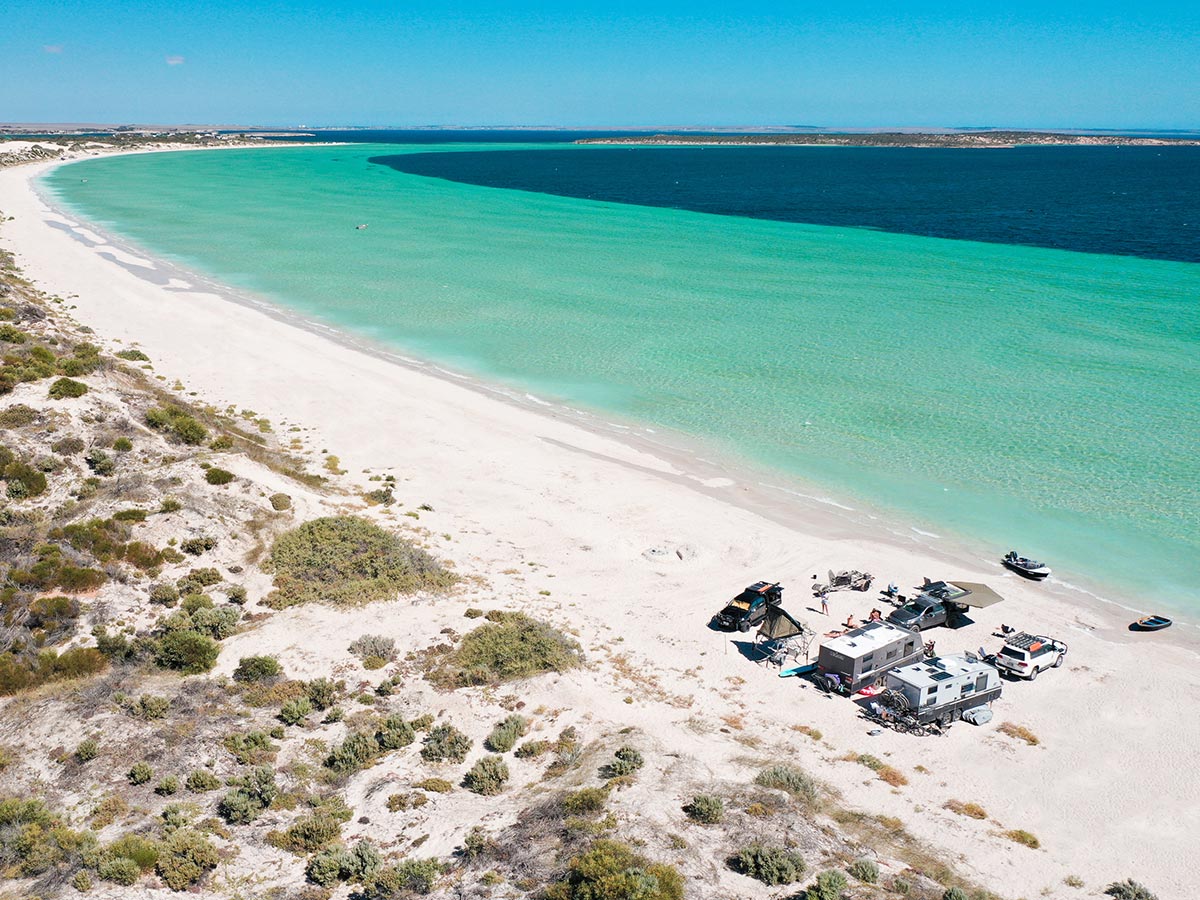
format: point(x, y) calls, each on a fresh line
point(981, 595)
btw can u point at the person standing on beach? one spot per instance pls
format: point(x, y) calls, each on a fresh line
point(824, 605)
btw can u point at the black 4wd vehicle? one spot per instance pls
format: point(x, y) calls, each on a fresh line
point(749, 607)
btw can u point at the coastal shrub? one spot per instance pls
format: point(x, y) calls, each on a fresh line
point(198, 545)
point(865, 870)
point(24, 481)
point(326, 867)
point(411, 876)
point(280, 502)
point(971, 810)
point(257, 668)
point(435, 785)
point(84, 358)
point(585, 800)
point(487, 776)
point(374, 650)
point(132, 355)
point(770, 865)
point(176, 422)
point(68, 446)
point(504, 735)
point(187, 652)
point(250, 747)
point(348, 561)
point(185, 857)
point(515, 647)
point(332, 865)
point(167, 787)
point(213, 475)
point(12, 335)
point(65, 389)
point(295, 711)
point(610, 870)
point(789, 778)
point(100, 462)
point(1128, 890)
point(1020, 732)
point(445, 743)
point(533, 749)
point(119, 870)
point(477, 845)
point(1024, 838)
point(322, 693)
point(149, 707)
point(394, 733)
point(626, 761)
point(246, 802)
point(140, 773)
point(352, 754)
point(221, 442)
point(200, 781)
point(955, 893)
point(828, 886)
point(124, 445)
point(314, 831)
point(18, 416)
point(87, 750)
point(705, 809)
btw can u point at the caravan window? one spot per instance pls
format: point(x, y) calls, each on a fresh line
point(892, 654)
point(868, 662)
point(909, 647)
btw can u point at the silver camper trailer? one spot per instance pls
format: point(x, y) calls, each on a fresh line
point(940, 690)
point(860, 657)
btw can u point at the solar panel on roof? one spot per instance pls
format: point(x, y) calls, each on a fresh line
point(940, 676)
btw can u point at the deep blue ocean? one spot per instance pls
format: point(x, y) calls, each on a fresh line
point(1131, 201)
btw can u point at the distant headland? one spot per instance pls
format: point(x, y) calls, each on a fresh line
point(983, 139)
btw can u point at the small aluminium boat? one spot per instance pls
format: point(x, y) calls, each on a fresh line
point(1152, 623)
point(1023, 565)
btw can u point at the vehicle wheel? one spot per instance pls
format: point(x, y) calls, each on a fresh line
point(1058, 662)
point(743, 627)
point(1033, 675)
point(956, 716)
point(945, 719)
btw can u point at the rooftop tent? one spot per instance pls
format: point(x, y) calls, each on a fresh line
point(778, 625)
point(980, 595)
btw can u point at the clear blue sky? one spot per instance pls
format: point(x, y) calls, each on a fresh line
point(603, 62)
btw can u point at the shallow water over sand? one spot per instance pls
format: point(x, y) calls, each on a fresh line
point(1025, 397)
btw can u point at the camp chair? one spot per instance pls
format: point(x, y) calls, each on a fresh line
point(780, 637)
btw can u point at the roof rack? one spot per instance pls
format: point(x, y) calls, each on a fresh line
point(1023, 641)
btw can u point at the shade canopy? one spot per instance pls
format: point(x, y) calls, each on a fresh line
point(981, 595)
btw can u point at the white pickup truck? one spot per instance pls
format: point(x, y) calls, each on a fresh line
point(1024, 655)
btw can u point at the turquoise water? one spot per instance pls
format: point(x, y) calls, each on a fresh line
point(1033, 398)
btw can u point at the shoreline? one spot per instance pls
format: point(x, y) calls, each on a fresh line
point(787, 498)
point(520, 486)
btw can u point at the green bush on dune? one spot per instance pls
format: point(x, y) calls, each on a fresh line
point(348, 561)
point(65, 388)
point(516, 646)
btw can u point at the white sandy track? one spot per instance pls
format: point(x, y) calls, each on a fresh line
point(1111, 791)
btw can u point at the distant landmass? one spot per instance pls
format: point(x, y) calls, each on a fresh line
point(986, 139)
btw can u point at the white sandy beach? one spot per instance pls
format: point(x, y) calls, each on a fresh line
point(1110, 791)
